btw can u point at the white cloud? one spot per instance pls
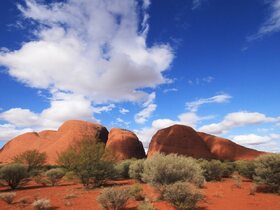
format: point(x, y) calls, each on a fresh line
point(142, 116)
point(194, 105)
point(196, 4)
point(253, 139)
point(272, 24)
point(237, 119)
point(8, 131)
point(107, 108)
point(123, 111)
point(170, 90)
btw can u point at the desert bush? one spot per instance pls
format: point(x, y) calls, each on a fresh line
point(113, 198)
point(90, 161)
point(122, 168)
point(212, 170)
point(41, 180)
point(13, 174)
point(146, 206)
point(136, 169)
point(136, 192)
point(32, 158)
point(70, 176)
point(8, 197)
point(237, 180)
point(246, 168)
point(181, 195)
point(55, 175)
point(161, 170)
point(268, 171)
point(41, 204)
point(228, 169)
point(253, 189)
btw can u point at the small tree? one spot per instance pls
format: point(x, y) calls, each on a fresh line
point(162, 170)
point(113, 198)
point(212, 170)
point(32, 158)
point(182, 195)
point(122, 168)
point(55, 175)
point(246, 168)
point(90, 161)
point(136, 169)
point(13, 174)
point(268, 171)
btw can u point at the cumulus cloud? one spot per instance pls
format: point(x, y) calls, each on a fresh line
point(85, 53)
point(170, 90)
point(194, 105)
point(8, 131)
point(272, 24)
point(237, 119)
point(123, 111)
point(253, 139)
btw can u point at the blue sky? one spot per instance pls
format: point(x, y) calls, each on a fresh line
point(142, 65)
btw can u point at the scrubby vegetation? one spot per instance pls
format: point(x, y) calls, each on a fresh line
point(13, 174)
point(42, 204)
point(90, 161)
point(146, 206)
point(163, 170)
point(136, 169)
point(267, 169)
point(246, 168)
point(8, 197)
point(112, 198)
point(55, 175)
point(182, 195)
point(32, 158)
point(122, 168)
point(136, 192)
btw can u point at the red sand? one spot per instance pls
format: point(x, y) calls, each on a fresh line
point(218, 196)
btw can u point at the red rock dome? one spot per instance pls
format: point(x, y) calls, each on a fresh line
point(53, 142)
point(179, 139)
point(125, 144)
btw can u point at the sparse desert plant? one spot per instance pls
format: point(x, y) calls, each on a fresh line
point(136, 169)
point(41, 180)
point(182, 195)
point(212, 170)
point(267, 171)
point(70, 196)
point(55, 175)
point(32, 158)
point(162, 170)
point(145, 206)
point(70, 176)
point(13, 174)
point(41, 204)
point(136, 192)
point(90, 161)
point(115, 199)
point(122, 168)
point(23, 201)
point(8, 197)
point(246, 168)
point(237, 180)
point(228, 169)
point(253, 189)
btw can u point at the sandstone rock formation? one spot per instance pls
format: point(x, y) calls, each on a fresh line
point(179, 139)
point(184, 140)
point(125, 144)
point(225, 149)
point(53, 142)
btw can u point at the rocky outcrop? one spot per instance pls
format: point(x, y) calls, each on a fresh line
point(184, 140)
point(54, 142)
point(224, 149)
point(179, 139)
point(125, 144)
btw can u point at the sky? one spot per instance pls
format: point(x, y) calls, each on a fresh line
point(142, 65)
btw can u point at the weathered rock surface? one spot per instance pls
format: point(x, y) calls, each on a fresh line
point(125, 144)
point(53, 142)
point(179, 139)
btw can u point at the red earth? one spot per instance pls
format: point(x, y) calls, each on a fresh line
point(218, 196)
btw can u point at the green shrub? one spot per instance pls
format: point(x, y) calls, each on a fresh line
point(113, 198)
point(161, 170)
point(146, 206)
point(13, 174)
point(228, 169)
point(8, 197)
point(181, 195)
point(212, 170)
point(32, 158)
point(246, 168)
point(55, 175)
point(136, 192)
point(268, 171)
point(41, 204)
point(136, 169)
point(122, 168)
point(90, 161)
